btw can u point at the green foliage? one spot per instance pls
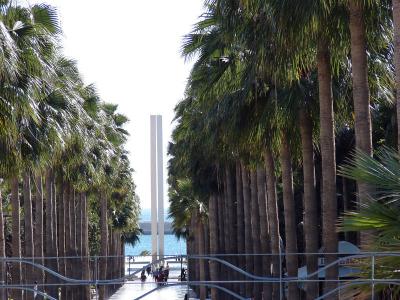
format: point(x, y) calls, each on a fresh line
point(50, 119)
point(379, 211)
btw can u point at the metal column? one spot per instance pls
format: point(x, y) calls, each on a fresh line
point(160, 185)
point(153, 170)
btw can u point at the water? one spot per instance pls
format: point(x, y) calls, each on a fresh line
point(145, 215)
point(172, 245)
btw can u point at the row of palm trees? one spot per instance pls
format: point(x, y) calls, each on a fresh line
point(280, 95)
point(65, 174)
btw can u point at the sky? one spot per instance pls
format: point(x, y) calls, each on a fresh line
point(130, 49)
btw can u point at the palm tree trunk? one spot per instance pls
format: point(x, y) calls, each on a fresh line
point(111, 259)
point(363, 130)
point(195, 249)
point(290, 216)
point(248, 245)
point(78, 260)
point(311, 232)
point(68, 238)
point(85, 246)
point(28, 223)
point(110, 263)
point(122, 243)
point(3, 270)
point(255, 233)
point(207, 248)
point(16, 242)
point(240, 224)
point(264, 230)
point(231, 214)
point(230, 241)
point(221, 234)
point(38, 240)
point(201, 251)
point(212, 217)
point(54, 218)
point(396, 42)
point(273, 219)
point(226, 220)
point(221, 224)
point(360, 77)
point(64, 196)
point(328, 161)
point(231, 210)
point(50, 261)
point(103, 243)
point(74, 253)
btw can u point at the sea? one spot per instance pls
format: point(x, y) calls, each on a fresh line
point(172, 245)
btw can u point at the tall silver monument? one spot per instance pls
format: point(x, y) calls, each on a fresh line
point(157, 187)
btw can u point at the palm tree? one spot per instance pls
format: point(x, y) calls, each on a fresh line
point(327, 141)
point(273, 217)
point(240, 221)
point(38, 230)
point(247, 225)
point(311, 235)
point(29, 245)
point(290, 216)
point(396, 42)
point(255, 232)
point(16, 232)
point(264, 228)
point(378, 212)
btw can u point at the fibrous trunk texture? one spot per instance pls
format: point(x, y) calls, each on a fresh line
point(28, 226)
point(16, 242)
point(255, 233)
point(103, 243)
point(213, 216)
point(38, 233)
point(273, 220)
point(311, 233)
point(240, 224)
point(289, 215)
point(248, 243)
point(361, 99)
point(264, 230)
point(328, 162)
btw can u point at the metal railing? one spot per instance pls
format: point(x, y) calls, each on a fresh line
point(229, 263)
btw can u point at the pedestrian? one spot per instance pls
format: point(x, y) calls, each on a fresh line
point(35, 288)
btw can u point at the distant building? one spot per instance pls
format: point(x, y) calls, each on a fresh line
point(146, 227)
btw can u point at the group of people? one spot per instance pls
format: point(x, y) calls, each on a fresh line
point(160, 274)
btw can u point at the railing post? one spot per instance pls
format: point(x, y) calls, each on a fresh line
point(373, 276)
point(129, 265)
point(187, 275)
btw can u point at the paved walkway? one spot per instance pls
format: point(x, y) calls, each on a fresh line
point(133, 289)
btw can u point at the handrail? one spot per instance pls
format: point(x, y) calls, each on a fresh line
point(214, 284)
point(15, 287)
point(207, 257)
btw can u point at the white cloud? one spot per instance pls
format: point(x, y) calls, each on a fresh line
point(131, 50)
